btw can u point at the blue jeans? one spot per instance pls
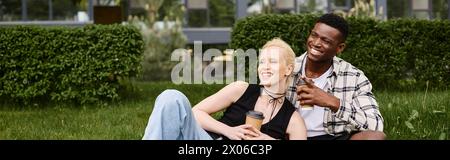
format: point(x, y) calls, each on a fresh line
point(172, 119)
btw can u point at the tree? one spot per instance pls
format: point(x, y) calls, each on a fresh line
point(363, 8)
point(160, 41)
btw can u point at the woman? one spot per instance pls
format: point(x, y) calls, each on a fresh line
point(172, 117)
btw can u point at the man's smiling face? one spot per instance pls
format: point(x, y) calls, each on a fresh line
point(324, 42)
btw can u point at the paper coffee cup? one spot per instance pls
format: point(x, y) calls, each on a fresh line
point(254, 118)
point(307, 107)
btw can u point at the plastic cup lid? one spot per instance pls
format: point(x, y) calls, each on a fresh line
point(255, 114)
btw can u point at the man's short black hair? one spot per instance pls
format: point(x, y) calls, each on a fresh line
point(335, 21)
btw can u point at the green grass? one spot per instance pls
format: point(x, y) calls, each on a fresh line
point(415, 115)
point(124, 119)
point(408, 115)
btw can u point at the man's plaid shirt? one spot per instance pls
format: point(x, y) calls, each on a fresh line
point(358, 109)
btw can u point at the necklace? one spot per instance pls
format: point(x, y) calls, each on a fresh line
point(274, 100)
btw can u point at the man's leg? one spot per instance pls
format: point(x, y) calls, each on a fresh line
point(368, 135)
point(172, 119)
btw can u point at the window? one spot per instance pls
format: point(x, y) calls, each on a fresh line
point(421, 9)
point(39, 10)
point(218, 13)
point(440, 9)
point(343, 5)
point(10, 10)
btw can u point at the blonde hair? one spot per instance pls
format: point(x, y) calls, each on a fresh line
point(289, 54)
point(278, 42)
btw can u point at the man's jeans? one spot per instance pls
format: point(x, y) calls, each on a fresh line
point(172, 119)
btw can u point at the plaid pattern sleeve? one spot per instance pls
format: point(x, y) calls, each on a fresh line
point(358, 109)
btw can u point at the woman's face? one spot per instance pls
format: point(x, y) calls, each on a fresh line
point(272, 67)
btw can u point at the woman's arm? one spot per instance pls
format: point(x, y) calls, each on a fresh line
point(217, 102)
point(296, 128)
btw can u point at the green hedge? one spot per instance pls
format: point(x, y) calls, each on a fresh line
point(76, 64)
point(393, 53)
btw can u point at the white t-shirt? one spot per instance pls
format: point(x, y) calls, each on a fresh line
point(314, 118)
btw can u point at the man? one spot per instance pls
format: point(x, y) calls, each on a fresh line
point(343, 104)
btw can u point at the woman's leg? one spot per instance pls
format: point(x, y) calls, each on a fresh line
point(172, 119)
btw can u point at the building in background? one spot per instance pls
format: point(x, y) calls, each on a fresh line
point(209, 21)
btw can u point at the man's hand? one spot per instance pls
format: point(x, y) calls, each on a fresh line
point(312, 95)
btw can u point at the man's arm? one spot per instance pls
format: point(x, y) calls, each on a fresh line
point(362, 110)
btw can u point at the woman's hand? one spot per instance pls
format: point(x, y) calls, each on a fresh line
point(240, 132)
point(261, 136)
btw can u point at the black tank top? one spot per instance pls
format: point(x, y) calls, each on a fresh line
point(235, 114)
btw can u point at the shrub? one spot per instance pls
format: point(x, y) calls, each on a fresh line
point(254, 32)
point(78, 64)
point(372, 50)
point(393, 53)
